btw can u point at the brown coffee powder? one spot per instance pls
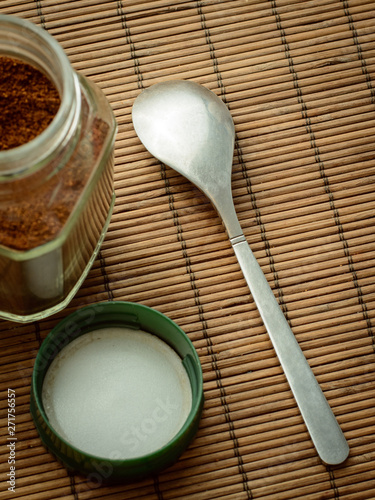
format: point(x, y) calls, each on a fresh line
point(28, 102)
point(35, 208)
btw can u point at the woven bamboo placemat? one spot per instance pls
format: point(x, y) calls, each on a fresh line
point(299, 80)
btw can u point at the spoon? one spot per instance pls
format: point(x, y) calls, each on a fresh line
point(190, 129)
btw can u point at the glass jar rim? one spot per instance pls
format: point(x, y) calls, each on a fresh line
point(42, 50)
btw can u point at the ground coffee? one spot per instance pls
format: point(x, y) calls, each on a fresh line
point(28, 102)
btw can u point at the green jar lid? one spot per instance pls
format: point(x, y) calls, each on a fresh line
point(121, 324)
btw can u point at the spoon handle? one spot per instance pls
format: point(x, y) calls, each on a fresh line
point(321, 423)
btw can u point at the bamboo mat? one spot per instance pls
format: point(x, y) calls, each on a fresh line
point(299, 79)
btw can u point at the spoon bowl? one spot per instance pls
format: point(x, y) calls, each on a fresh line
point(190, 129)
point(176, 121)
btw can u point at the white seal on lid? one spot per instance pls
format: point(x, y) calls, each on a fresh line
point(117, 393)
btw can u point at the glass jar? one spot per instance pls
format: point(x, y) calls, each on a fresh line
point(56, 191)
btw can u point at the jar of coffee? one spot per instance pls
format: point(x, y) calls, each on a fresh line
point(57, 133)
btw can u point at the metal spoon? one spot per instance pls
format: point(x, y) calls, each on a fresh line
point(189, 128)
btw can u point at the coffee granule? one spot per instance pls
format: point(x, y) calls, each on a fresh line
point(36, 208)
point(28, 102)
